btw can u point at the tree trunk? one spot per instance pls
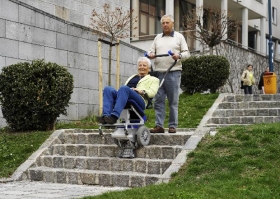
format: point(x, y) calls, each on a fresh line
point(110, 65)
point(211, 50)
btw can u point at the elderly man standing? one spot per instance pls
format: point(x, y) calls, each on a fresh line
point(174, 41)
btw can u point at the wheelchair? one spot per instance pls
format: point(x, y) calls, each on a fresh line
point(130, 130)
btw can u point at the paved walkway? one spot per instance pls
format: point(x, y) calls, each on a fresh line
point(41, 190)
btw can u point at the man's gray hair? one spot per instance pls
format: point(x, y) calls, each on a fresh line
point(146, 60)
point(167, 16)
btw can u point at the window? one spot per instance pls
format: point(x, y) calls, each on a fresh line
point(274, 15)
point(150, 13)
point(185, 7)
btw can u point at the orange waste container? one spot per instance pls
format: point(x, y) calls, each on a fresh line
point(269, 82)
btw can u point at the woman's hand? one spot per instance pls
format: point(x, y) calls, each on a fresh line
point(141, 92)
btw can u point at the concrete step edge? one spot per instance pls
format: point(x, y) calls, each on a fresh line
point(111, 158)
point(114, 145)
point(123, 173)
point(108, 131)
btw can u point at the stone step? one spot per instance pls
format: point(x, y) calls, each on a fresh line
point(249, 105)
point(246, 112)
point(257, 97)
point(92, 177)
point(141, 165)
point(104, 150)
point(243, 120)
point(93, 137)
point(211, 125)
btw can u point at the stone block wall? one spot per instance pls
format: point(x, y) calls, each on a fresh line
point(27, 33)
point(76, 11)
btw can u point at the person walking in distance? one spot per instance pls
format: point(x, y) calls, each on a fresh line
point(163, 42)
point(248, 79)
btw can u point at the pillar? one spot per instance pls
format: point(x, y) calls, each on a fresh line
point(199, 3)
point(245, 28)
point(224, 9)
point(263, 36)
point(169, 7)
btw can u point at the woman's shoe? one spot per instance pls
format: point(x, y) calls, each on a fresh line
point(100, 119)
point(110, 119)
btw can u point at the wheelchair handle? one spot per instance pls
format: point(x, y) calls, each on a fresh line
point(174, 63)
point(169, 53)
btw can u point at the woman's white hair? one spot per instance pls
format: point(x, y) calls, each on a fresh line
point(144, 59)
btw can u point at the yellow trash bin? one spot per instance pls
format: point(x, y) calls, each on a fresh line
point(269, 82)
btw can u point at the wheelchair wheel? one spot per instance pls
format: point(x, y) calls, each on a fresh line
point(143, 136)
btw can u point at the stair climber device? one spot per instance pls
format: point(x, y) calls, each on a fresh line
point(130, 130)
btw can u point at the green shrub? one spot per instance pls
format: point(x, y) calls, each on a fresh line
point(34, 94)
point(203, 73)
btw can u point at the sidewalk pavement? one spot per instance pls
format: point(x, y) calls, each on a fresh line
point(42, 190)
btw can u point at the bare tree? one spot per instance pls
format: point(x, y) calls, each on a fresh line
point(210, 26)
point(115, 23)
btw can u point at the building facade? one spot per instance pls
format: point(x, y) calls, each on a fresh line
point(253, 14)
point(58, 31)
point(252, 34)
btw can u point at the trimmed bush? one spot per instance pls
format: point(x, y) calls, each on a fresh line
point(34, 94)
point(203, 73)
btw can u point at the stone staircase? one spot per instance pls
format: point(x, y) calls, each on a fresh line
point(85, 157)
point(75, 156)
point(245, 110)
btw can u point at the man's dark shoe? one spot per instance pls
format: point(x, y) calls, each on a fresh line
point(110, 119)
point(157, 129)
point(171, 130)
point(100, 119)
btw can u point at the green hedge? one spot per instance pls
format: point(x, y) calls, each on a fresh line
point(203, 73)
point(34, 94)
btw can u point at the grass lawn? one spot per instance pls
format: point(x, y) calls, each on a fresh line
point(16, 147)
point(192, 108)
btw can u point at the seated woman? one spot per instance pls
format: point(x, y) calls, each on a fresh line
point(135, 88)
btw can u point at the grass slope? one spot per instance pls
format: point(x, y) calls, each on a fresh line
point(239, 162)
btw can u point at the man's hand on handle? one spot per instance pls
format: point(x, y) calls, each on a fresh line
point(151, 55)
